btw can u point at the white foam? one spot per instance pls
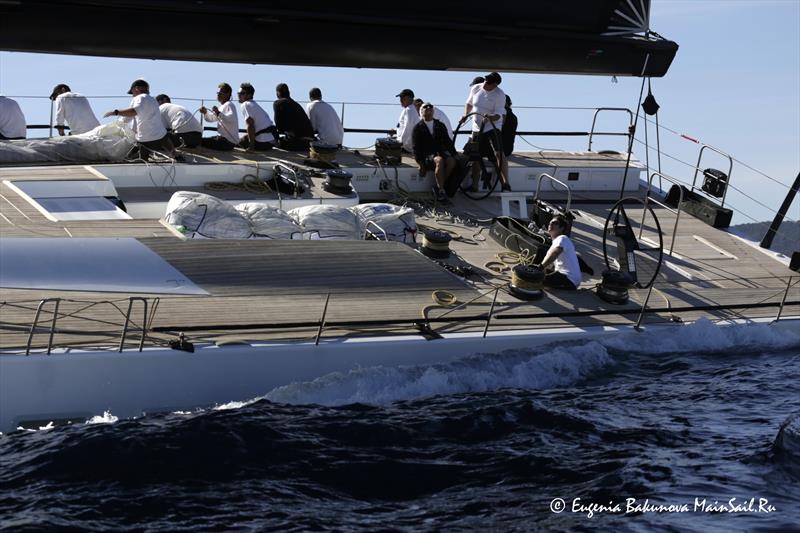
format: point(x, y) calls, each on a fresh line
point(105, 418)
point(526, 369)
point(234, 405)
point(704, 336)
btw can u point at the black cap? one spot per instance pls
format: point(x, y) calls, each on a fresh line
point(477, 80)
point(139, 83)
point(494, 77)
point(57, 90)
point(406, 92)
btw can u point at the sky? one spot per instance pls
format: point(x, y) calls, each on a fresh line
point(734, 85)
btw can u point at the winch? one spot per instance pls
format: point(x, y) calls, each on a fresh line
point(436, 244)
point(388, 151)
point(338, 182)
point(527, 282)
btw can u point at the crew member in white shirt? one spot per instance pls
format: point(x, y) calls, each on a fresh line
point(438, 114)
point(489, 101)
point(260, 128)
point(409, 117)
point(183, 128)
point(72, 110)
point(566, 273)
point(151, 135)
point(324, 119)
point(12, 121)
point(225, 114)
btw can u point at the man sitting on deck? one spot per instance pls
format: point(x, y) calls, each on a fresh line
point(291, 120)
point(260, 129)
point(567, 270)
point(433, 150)
point(225, 114)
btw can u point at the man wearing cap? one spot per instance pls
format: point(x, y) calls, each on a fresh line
point(12, 121)
point(324, 120)
point(438, 114)
point(433, 150)
point(260, 129)
point(72, 110)
point(489, 101)
point(228, 119)
point(291, 121)
point(151, 135)
point(184, 130)
point(409, 117)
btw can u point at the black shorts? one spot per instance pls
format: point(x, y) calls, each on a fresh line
point(557, 280)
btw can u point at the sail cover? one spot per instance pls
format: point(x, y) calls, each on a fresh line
point(610, 37)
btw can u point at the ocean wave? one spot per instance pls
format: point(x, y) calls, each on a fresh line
point(704, 336)
point(559, 366)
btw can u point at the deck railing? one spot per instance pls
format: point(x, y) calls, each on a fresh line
point(429, 326)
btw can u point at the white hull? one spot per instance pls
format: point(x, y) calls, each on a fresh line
point(38, 389)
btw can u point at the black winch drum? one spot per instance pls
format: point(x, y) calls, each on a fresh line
point(389, 150)
point(436, 244)
point(338, 182)
point(614, 287)
point(527, 282)
point(321, 151)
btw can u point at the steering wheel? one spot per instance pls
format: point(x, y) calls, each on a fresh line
point(488, 173)
point(638, 246)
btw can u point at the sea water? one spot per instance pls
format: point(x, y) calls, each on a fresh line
point(694, 430)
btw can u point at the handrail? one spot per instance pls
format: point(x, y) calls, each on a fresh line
point(36, 322)
point(380, 229)
point(594, 120)
point(647, 198)
point(539, 186)
point(730, 169)
point(128, 319)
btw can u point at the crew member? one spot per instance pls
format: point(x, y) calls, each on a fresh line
point(433, 150)
point(72, 110)
point(228, 129)
point(438, 114)
point(409, 117)
point(291, 121)
point(566, 272)
point(324, 120)
point(183, 128)
point(151, 135)
point(260, 129)
point(508, 133)
point(12, 121)
point(489, 101)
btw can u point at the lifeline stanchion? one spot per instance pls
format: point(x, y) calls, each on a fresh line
point(322, 320)
point(491, 311)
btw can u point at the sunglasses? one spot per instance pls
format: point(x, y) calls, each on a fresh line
point(426, 106)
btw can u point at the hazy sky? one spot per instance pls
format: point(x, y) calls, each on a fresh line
point(735, 84)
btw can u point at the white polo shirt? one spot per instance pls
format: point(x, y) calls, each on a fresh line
point(261, 120)
point(439, 115)
point(567, 260)
point(147, 124)
point(486, 102)
point(178, 119)
point(228, 121)
point(73, 110)
point(409, 117)
point(12, 121)
point(325, 121)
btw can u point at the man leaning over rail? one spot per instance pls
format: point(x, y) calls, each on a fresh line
point(73, 110)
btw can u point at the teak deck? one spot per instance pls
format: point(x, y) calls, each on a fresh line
point(263, 289)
